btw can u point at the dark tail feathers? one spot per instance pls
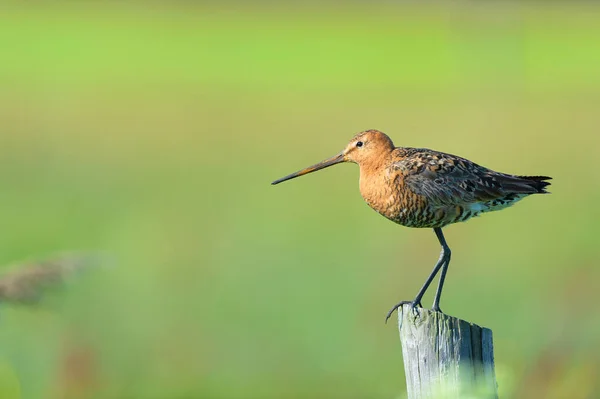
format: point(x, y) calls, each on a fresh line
point(538, 183)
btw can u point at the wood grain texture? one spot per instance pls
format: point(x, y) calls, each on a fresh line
point(445, 357)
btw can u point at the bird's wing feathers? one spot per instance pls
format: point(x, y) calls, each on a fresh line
point(446, 179)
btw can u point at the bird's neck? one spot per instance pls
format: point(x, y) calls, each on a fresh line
point(373, 167)
point(374, 184)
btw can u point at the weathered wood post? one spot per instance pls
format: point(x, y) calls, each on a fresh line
point(445, 357)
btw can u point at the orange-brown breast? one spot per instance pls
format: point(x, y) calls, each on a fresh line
point(384, 191)
point(377, 191)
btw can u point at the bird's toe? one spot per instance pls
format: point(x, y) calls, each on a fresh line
point(414, 305)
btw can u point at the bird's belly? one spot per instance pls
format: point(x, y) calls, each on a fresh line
point(421, 214)
point(417, 211)
point(424, 217)
point(408, 211)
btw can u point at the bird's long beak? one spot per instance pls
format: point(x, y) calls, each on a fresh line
point(321, 165)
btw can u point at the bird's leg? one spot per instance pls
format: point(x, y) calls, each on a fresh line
point(417, 301)
point(446, 253)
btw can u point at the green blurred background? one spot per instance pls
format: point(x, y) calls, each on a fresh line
point(152, 131)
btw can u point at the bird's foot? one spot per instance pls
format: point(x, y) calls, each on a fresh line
point(413, 306)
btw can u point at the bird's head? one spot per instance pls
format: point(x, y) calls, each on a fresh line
point(366, 147)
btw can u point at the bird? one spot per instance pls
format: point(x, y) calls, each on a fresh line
point(423, 188)
point(27, 281)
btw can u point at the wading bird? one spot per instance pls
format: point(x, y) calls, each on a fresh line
point(418, 187)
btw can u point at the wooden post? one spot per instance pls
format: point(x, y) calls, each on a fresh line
point(445, 357)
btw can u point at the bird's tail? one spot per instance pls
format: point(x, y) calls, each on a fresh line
point(537, 183)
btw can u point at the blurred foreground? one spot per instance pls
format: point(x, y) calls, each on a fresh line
point(153, 132)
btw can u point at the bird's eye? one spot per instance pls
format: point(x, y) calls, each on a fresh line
point(359, 143)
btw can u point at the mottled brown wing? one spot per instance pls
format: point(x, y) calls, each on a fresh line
point(446, 179)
